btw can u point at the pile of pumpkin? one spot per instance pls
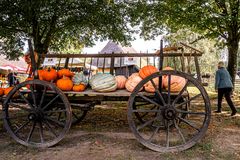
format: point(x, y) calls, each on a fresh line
point(64, 79)
point(108, 83)
point(102, 82)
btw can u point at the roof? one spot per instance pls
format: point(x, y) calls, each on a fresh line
point(20, 63)
point(112, 47)
point(117, 48)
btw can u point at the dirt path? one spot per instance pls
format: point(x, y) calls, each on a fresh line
point(105, 135)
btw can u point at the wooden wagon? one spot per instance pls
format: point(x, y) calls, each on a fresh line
point(36, 113)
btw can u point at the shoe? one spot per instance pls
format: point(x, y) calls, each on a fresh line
point(217, 111)
point(233, 113)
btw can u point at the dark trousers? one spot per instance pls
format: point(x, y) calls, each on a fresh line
point(226, 92)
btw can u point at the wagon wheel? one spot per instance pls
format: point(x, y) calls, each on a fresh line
point(140, 117)
point(164, 129)
point(30, 116)
point(78, 115)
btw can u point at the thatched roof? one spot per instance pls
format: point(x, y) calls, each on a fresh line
point(112, 47)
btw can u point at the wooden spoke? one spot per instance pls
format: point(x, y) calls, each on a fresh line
point(18, 116)
point(154, 133)
point(142, 104)
point(189, 100)
point(21, 127)
point(41, 132)
point(181, 92)
point(31, 132)
point(146, 123)
point(50, 128)
point(33, 96)
point(54, 121)
point(59, 116)
point(145, 110)
point(25, 99)
point(16, 105)
point(179, 131)
point(49, 103)
point(158, 93)
point(189, 112)
point(75, 115)
point(188, 123)
point(169, 89)
point(55, 111)
point(149, 100)
point(167, 135)
point(42, 97)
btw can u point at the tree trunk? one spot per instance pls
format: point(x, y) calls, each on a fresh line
point(232, 58)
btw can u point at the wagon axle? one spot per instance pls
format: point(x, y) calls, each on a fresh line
point(169, 113)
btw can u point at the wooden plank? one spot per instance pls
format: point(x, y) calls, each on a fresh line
point(119, 55)
point(117, 93)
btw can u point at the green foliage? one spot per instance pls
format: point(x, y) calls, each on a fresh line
point(54, 24)
point(216, 19)
point(208, 46)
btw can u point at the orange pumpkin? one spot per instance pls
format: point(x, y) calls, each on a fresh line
point(64, 72)
point(1, 91)
point(149, 86)
point(7, 90)
point(147, 71)
point(79, 88)
point(49, 74)
point(167, 68)
point(132, 82)
point(65, 84)
point(177, 83)
point(40, 74)
point(121, 81)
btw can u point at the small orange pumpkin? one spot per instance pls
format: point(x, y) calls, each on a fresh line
point(65, 84)
point(49, 74)
point(7, 90)
point(1, 91)
point(64, 72)
point(121, 81)
point(132, 82)
point(79, 88)
point(147, 71)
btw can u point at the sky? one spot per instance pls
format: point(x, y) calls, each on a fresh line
point(140, 45)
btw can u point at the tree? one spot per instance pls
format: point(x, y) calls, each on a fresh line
point(57, 23)
point(218, 19)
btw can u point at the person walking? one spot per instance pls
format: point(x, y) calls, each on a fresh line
point(10, 78)
point(224, 87)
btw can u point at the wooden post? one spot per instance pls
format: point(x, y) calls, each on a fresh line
point(160, 65)
point(112, 64)
point(33, 62)
point(197, 69)
point(66, 62)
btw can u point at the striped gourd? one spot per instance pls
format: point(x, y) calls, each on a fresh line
point(103, 82)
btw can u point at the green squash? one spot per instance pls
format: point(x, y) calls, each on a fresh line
point(80, 78)
point(103, 82)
